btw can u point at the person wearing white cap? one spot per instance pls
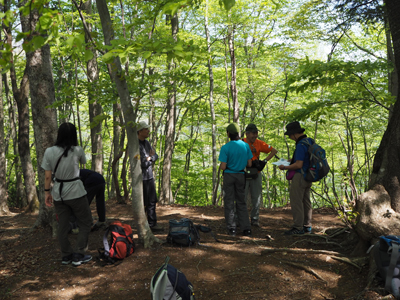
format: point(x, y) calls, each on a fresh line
point(148, 157)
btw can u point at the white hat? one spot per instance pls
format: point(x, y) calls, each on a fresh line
point(142, 125)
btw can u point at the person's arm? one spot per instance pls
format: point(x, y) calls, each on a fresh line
point(222, 166)
point(153, 155)
point(47, 182)
point(297, 165)
point(271, 154)
point(249, 162)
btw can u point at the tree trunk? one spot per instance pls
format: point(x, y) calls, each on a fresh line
point(212, 111)
point(41, 86)
point(145, 235)
point(20, 197)
point(21, 98)
point(3, 167)
point(95, 108)
point(234, 92)
point(379, 208)
point(166, 196)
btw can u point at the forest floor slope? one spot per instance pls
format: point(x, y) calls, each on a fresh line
point(268, 265)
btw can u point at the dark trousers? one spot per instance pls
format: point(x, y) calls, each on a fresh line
point(150, 200)
point(80, 208)
point(234, 186)
point(98, 191)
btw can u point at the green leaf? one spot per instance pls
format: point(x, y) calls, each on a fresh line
point(146, 54)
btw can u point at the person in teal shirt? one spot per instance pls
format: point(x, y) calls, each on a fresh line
point(234, 157)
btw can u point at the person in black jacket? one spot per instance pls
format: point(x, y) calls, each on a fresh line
point(148, 157)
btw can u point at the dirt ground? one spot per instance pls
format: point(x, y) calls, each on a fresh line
point(267, 265)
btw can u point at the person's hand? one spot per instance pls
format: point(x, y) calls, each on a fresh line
point(48, 200)
point(149, 158)
point(281, 167)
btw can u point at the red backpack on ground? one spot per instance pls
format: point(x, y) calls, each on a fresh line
point(121, 243)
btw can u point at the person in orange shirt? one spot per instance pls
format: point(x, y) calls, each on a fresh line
point(254, 186)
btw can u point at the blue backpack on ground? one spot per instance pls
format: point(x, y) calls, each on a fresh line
point(319, 167)
point(170, 283)
point(386, 256)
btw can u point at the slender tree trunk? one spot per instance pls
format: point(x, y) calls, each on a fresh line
point(117, 75)
point(212, 111)
point(41, 86)
point(166, 196)
point(227, 83)
point(21, 98)
point(234, 92)
point(20, 198)
point(95, 108)
point(3, 167)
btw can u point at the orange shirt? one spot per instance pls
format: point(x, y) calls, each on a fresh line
point(257, 147)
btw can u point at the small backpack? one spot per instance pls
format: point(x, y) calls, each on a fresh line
point(170, 283)
point(185, 233)
point(387, 258)
point(121, 243)
point(319, 167)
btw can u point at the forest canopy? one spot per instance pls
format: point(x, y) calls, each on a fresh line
point(264, 62)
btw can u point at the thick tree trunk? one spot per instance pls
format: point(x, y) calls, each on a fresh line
point(145, 235)
point(166, 192)
point(42, 92)
point(379, 208)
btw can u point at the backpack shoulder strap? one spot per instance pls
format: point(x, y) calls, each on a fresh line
point(105, 242)
point(392, 265)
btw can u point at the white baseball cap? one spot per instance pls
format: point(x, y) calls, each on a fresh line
point(142, 125)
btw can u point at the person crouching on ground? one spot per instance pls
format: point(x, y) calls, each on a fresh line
point(234, 157)
point(300, 188)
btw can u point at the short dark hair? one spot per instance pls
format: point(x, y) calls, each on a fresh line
point(66, 137)
point(233, 136)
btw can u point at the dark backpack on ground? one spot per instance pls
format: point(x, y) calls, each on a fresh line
point(387, 259)
point(121, 242)
point(185, 233)
point(170, 283)
point(319, 167)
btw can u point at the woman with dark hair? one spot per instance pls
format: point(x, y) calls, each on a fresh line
point(68, 193)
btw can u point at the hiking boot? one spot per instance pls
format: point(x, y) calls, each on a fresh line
point(96, 226)
point(255, 223)
point(307, 230)
point(75, 230)
point(157, 228)
point(294, 231)
point(80, 259)
point(232, 232)
point(247, 232)
point(66, 260)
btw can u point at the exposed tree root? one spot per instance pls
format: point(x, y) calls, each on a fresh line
point(357, 262)
point(305, 268)
point(299, 251)
point(317, 243)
